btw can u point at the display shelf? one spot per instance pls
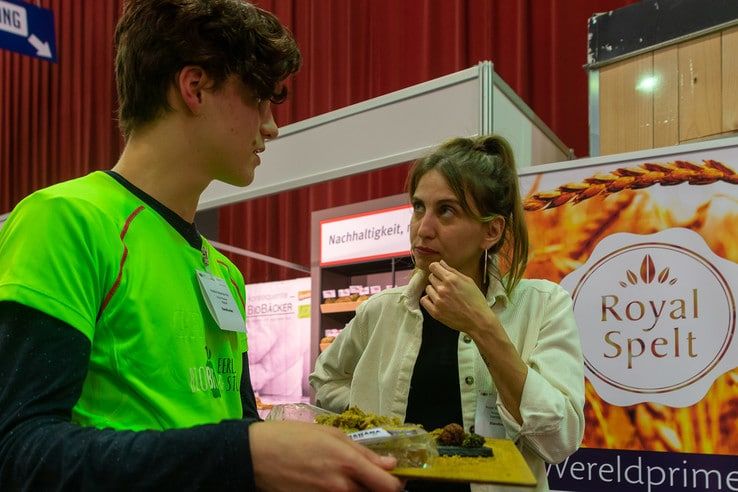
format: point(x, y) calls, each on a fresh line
point(373, 266)
point(383, 271)
point(339, 307)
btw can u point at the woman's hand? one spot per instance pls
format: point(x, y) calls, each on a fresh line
point(456, 301)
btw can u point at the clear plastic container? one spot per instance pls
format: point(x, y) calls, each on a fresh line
point(412, 446)
point(303, 412)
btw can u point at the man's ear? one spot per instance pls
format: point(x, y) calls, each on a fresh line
point(493, 231)
point(191, 81)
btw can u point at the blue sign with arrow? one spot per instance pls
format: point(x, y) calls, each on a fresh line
point(27, 29)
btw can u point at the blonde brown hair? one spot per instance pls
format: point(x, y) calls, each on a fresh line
point(483, 169)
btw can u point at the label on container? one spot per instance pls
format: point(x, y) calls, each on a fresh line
point(369, 435)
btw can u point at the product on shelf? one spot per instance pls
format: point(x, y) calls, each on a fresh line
point(325, 342)
point(329, 296)
point(355, 293)
point(328, 338)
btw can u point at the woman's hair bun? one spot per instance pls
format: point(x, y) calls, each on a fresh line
point(492, 145)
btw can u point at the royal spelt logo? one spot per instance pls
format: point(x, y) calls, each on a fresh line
point(648, 271)
point(657, 317)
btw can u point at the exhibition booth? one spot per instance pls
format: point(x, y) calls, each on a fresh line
point(641, 240)
point(640, 235)
point(474, 101)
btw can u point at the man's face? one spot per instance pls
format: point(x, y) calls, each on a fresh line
point(235, 127)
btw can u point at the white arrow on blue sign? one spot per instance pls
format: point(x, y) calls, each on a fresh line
point(27, 29)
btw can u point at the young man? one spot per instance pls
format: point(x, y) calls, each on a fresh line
point(121, 328)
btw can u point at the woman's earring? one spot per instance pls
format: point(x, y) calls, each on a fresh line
point(486, 254)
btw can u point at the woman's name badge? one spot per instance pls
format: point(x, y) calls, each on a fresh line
point(487, 420)
point(220, 302)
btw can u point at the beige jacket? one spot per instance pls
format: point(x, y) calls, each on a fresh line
point(370, 365)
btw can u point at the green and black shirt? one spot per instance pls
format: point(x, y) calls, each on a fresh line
point(115, 368)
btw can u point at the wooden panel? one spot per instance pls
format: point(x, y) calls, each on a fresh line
point(507, 466)
point(666, 97)
point(700, 93)
point(730, 79)
point(626, 113)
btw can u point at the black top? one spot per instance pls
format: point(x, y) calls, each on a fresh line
point(43, 364)
point(434, 400)
point(435, 397)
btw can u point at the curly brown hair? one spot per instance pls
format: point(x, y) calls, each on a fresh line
point(155, 39)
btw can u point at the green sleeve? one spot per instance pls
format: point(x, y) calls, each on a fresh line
point(59, 255)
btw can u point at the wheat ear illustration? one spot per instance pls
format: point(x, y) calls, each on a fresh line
point(643, 176)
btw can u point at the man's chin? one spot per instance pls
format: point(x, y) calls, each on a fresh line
point(238, 181)
point(246, 181)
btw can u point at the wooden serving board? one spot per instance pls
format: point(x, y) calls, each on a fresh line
point(506, 466)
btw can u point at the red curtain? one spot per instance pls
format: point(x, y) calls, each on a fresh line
point(57, 120)
point(365, 48)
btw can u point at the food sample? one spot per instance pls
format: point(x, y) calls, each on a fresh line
point(473, 441)
point(451, 435)
point(354, 419)
point(453, 441)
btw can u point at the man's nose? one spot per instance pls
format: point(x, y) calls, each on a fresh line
point(269, 129)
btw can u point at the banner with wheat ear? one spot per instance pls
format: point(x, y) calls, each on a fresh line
point(622, 200)
point(633, 178)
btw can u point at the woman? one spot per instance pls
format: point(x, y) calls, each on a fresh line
point(461, 342)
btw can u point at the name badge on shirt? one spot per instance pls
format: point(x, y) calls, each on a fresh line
point(220, 302)
point(487, 420)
